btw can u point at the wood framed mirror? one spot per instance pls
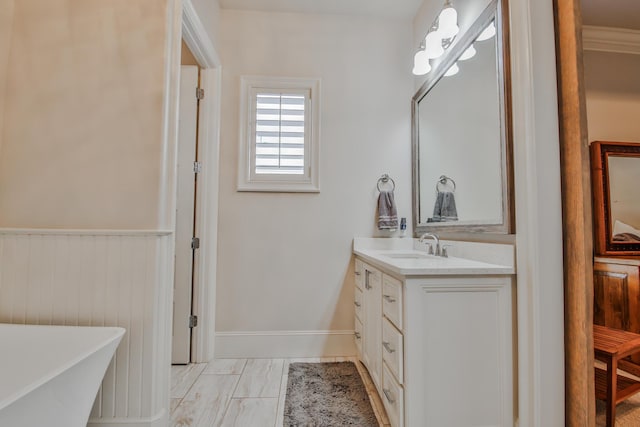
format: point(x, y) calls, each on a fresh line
point(615, 174)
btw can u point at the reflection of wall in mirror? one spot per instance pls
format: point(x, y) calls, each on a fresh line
point(613, 108)
point(624, 176)
point(460, 137)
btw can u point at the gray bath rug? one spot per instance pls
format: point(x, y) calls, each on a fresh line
point(327, 395)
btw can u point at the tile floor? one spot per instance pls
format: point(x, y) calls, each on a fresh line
point(242, 392)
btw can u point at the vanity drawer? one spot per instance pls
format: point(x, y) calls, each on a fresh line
point(359, 273)
point(392, 349)
point(392, 300)
point(358, 303)
point(392, 397)
point(358, 337)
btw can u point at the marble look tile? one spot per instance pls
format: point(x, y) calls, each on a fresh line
point(250, 412)
point(312, 359)
point(374, 398)
point(183, 377)
point(174, 404)
point(225, 366)
point(260, 378)
point(283, 396)
point(206, 402)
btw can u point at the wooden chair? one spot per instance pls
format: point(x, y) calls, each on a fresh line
point(610, 346)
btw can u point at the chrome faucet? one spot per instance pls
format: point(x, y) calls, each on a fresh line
point(436, 240)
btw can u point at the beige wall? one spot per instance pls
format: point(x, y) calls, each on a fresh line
point(82, 113)
point(6, 23)
point(186, 56)
point(613, 96)
point(285, 259)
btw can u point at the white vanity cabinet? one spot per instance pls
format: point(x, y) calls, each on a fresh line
point(368, 302)
point(441, 346)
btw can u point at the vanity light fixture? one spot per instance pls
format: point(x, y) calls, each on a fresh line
point(433, 45)
point(448, 22)
point(421, 63)
point(452, 71)
point(468, 54)
point(488, 32)
point(440, 37)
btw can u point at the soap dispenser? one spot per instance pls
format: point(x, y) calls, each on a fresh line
point(403, 227)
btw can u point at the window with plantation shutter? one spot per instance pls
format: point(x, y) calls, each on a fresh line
point(279, 135)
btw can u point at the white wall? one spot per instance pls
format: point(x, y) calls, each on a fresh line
point(285, 259)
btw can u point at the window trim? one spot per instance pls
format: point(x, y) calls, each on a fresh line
point(247, 179)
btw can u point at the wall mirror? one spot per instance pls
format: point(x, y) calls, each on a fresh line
point(615, 174)
point(462, 176)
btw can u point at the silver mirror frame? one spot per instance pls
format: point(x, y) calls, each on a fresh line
point(496, 10)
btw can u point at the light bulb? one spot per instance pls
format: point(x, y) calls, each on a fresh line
point(433, 45)
point(468, 54)
point(448, 23)
point(488, 32)
point(452, 71)
point(421, 63)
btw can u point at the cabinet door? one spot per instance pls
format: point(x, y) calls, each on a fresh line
point(359, 272)
point(616, 304)
point(372, 324)
point(458, 352)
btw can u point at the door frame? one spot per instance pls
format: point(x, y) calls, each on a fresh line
point(205, 261)
point(183, 23)
point(577, 217)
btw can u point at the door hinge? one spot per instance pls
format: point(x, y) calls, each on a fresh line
point(197, 167)
point(195, 242)
point(193, 321)
point(199, 93)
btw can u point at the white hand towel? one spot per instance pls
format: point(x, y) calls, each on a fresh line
point(387, 211)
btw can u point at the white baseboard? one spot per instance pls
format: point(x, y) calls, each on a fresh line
point(284, 344)
point(159, 420)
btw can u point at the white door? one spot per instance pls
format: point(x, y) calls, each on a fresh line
point(185, 216)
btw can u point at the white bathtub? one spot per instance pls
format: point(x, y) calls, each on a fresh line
point(50, 375)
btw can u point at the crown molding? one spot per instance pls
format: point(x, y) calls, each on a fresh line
point(608, 39)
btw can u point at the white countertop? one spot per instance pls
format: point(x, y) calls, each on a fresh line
point(407, 257)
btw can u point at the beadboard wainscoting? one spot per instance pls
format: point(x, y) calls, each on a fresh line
point(100, 278)
point(270, 344)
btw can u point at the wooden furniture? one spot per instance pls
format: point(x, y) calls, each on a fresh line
point(615, 168)
point(616, 303)
point(611, 345)
point(438, 348)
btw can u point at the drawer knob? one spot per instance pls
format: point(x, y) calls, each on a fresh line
point(358, 273)
point(357, 334)
point(389, 298)
point(388, 395)
point(357, 304)
point(388, 347)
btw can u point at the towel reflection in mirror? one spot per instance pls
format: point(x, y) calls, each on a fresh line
point(444, 209)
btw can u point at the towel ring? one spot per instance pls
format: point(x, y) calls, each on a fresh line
point(385, 179)
point(443, 180)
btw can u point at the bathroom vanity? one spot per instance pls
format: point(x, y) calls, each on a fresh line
point(435, 333)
